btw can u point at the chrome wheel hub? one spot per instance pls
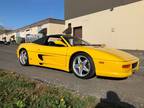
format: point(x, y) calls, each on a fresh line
point(81, 66)
point(23, 57)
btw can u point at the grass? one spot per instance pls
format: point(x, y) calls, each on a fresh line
point(17, 91)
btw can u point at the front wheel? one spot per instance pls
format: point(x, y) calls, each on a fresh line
point(83, 66)
point(23, 58)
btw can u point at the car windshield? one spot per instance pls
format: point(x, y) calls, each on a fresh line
point(75, 41)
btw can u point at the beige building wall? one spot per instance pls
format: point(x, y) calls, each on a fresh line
point(121, 28)
point(55, 28)
point(1, 36)
point(8, 36)
point(52, 28)
point(5, 35)
point(34, 30)
point(45, 26)
point(22, 33)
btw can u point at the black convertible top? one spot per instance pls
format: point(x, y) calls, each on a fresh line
point(58, 35)
point(44, 38)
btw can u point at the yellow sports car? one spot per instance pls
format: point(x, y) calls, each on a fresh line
point(72, 54)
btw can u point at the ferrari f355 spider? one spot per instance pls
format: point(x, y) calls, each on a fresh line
point(72, 54)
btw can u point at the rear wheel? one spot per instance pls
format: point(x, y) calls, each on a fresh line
point(83, 66)
point(23, 57)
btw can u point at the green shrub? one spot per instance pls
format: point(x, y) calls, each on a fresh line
point(19, 92)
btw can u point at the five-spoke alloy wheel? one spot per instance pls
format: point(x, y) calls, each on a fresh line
point(83, 66)
point(23, 58)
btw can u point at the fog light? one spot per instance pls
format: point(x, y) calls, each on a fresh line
point(126, 66)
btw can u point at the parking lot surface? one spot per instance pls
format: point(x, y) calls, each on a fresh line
point(130, 90)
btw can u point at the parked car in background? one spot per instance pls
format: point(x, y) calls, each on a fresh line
point(1, 42)
point(7, 43)
point(4, 43)
point(13, 42)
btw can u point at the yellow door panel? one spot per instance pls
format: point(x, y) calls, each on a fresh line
point(51, 55)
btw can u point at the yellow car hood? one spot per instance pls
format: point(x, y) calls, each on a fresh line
point(118, 53)
point(113, 54)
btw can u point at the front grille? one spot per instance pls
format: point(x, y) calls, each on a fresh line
point(134, 65)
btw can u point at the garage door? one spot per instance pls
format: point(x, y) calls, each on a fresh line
point(77, 31)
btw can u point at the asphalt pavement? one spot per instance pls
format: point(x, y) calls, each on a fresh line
point(130, 90)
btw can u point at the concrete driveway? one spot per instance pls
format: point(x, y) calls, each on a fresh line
point(129, 90)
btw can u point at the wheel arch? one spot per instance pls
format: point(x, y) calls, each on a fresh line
point(74, 54)
point(21, 50)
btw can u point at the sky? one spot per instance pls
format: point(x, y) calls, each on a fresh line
point(18, 13)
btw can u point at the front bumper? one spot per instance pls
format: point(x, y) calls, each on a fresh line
point(115, 69)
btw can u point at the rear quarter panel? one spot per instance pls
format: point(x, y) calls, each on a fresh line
point(31, 50)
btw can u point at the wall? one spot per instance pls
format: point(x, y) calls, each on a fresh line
point(34, 30)
point(1, 36)
point(52, 28)
point(121, 28)
point(55, 28)
point(76, 8)
point(9, 35)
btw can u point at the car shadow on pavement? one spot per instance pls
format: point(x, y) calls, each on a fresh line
point(92, 77)
point(112, 100)
point(63, 71)
point(110, 78)
point(54, 69)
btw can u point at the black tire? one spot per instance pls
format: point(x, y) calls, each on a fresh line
point(26, 63)
point(91, 73)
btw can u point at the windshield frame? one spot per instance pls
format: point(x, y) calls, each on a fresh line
point(77, 38)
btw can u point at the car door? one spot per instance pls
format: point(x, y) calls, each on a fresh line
point(52, 55)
